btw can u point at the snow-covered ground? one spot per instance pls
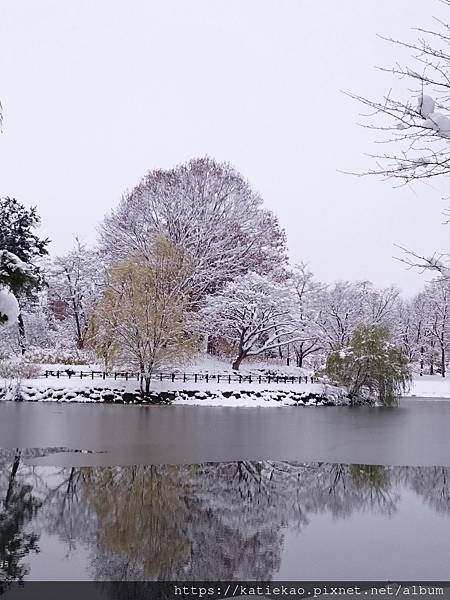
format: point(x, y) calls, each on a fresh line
point(202, 364)
point(430, 386)
point(211, 393)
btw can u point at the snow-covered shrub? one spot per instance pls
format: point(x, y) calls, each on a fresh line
point(12, 373)
point(58, 355)
point(12, 369)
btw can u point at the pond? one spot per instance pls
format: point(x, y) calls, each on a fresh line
point(146, 493)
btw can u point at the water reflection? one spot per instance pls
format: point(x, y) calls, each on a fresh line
point(206, 521)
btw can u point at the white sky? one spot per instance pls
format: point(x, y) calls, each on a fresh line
point(95, 93)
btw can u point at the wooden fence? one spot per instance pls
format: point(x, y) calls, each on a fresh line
point(184, 377)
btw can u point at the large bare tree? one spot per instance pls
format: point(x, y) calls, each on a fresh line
point(210, 212)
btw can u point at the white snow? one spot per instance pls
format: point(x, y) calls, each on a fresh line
point(9, 306)
point(254, 395)
point(433, 386)
point(438, 122)
point(430, 386)
point(426, 105)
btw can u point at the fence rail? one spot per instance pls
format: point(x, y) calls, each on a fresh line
point(184, 377)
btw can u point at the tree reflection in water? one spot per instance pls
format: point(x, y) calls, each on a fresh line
point(220, 520)
point(17, 509)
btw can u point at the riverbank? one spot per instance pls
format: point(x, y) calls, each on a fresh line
point(191, 394)
point(430, 386)
point(200, 393)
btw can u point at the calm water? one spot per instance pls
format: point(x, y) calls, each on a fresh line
point(415, 434)
point(185, 493)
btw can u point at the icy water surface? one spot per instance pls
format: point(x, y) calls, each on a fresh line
point(231, 520)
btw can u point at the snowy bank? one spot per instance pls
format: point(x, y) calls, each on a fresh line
point(429, 386)
point(189, 394)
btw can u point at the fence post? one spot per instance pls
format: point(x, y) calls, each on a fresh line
point(103, 374)
point(81, 374)
point(160, 376)
point(195, 377)
point(240, 378)
point(218, 378)
point(207, 377)
point(249, 378)
point(173, 376)
point(126, 376)
point(184, 377)
point(259, 379)
point(229, 378)
point(57, 374)
point(92, 374)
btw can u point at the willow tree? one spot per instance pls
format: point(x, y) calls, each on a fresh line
point(371, 367)
point(144, 309)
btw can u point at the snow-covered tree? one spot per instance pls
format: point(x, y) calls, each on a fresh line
point(143, 311)
point(75, 281)
point(306, 294)
point(414, 119)
point(346, 305)
point(20, 250)
point(210, 212)
point(410, 327)
point(14, 274)
point(253, 313)
point(437, 323)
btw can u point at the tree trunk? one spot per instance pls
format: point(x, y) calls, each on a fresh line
point(12, 477)
point(422, 350)
point(237, 363)
point(443, 362)
point(22, 336)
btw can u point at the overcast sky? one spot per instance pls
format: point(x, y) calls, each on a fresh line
point(95, 93)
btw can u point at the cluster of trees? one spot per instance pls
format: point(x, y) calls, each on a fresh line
point(190, 260)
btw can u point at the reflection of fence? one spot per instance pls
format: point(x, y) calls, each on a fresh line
point(184, 377)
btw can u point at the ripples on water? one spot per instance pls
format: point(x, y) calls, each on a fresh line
point(233, 520)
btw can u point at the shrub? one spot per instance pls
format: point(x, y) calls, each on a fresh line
point(13, 372)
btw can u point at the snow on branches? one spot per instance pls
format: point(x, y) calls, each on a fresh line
point(417, 122)
point(210, 212)
point(253, 313)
